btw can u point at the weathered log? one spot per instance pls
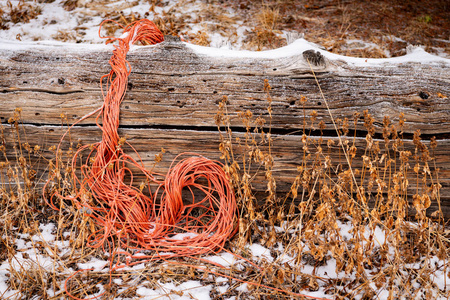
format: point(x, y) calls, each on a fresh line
point(174, 91)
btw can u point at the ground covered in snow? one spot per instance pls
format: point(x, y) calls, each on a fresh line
point(376, 29)
point(43, 263)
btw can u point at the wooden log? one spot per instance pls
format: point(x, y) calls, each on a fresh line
point(174, 91)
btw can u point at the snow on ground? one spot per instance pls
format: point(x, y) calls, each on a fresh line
point(54, 20)
point(81, 25)
point(415, 54)
point(185, 290)
point(38, 251)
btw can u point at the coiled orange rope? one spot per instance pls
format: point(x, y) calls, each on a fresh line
point(148, 221)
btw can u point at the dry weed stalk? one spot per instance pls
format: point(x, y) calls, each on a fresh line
point(265, 34)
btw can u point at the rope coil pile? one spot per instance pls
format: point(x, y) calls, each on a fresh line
point(163, 221)
point(147, 220)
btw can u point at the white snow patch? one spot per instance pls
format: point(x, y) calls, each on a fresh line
point(261, 252)
point(95, 264)
point(48, 45)
point(416, 54)
point(224, 259)
point(53, 15)
point(242, 288)
point(5, 290)
point(379, 236)
point(184, 236)
point(46, 234)
point(222, 288)
point(221, 279)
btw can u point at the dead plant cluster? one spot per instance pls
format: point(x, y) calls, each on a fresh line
point(355, 227)
point(379, 193)
point(22, 12)
point(24, 214)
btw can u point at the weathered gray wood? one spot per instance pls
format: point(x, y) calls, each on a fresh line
point(171, 85)
point(173, 97)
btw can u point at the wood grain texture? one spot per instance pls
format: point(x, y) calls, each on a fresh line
point(173, 95)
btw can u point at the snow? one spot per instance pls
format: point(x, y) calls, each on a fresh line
point(8, 45)
point(46, 234)
point(242, 288)
point(140, 8)
point(222, 288)
point(261, 252)
point(32, 255)
point(54, 20)
point(224, 259)
point(95, 264)
point(184, 236)
point(5, 292)
point(414, 55)
point(35, 28)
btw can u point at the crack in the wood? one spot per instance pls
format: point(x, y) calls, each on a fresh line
point(56, 91)
point(84, 90)
point(279, 132)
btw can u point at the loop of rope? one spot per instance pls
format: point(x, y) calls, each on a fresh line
point(148, 220)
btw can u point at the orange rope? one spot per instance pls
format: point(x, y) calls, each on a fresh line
point(148, 221)
point(151, 220)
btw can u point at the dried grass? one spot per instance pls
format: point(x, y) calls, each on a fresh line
point(331, 194)
point(65, 36)
point(22, 12)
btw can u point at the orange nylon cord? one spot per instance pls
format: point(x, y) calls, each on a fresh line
point(148, 221)
point(151, 220)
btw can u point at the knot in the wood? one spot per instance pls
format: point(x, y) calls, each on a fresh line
point(314, 57)
point(424, 95)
